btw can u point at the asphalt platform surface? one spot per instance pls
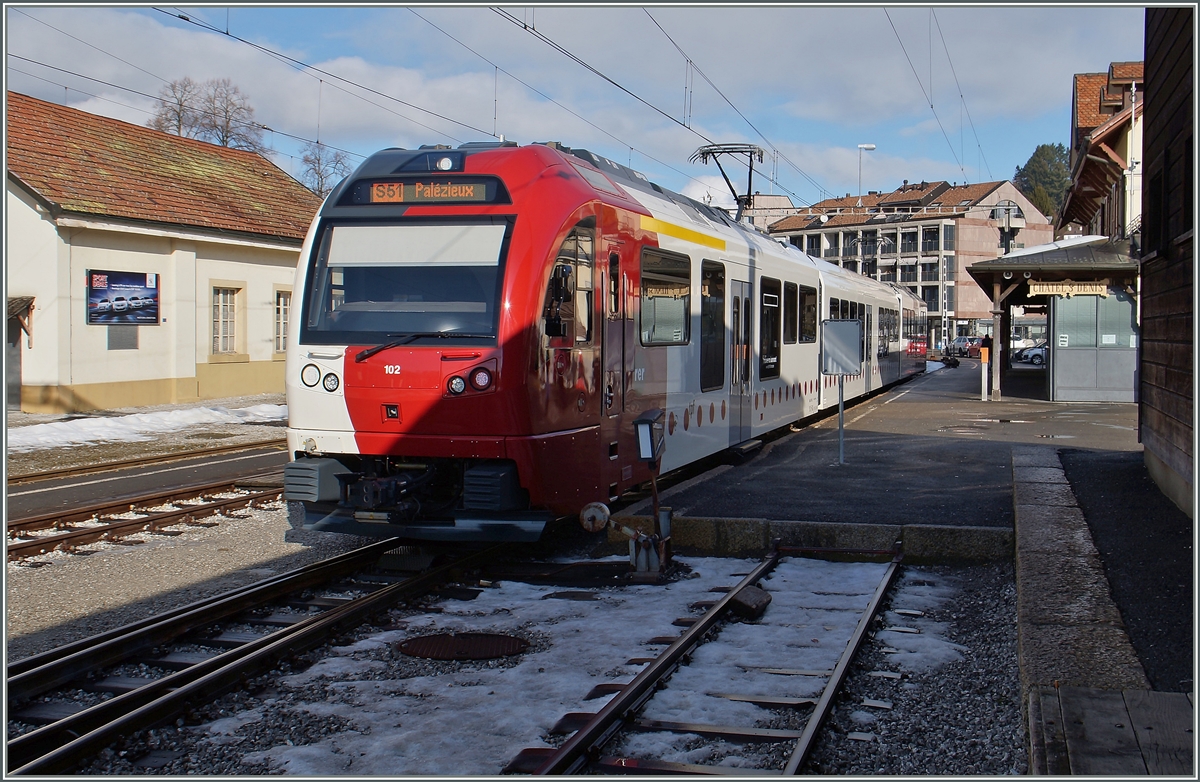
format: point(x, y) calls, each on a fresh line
point(930, 451)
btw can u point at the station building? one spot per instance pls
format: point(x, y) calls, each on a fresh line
point(141, 267)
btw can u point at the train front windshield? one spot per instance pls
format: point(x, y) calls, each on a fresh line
point(371, 283)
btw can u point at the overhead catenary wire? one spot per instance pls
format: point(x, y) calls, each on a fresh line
point(90, 45)
point(304, 67)
point(696, 69)
point(257, 125)
point(961, 97)
point(582, 63)
point(565, 108)
point(923, 90)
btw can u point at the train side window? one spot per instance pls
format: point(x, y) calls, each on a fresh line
point(808, 314)
point(712, 326)
point(568, 309)
point(770, 321)
point(835, 309)
point(585, 256)
point(614, 284)
point(845, 309)
point(666, 298)
point(791, 312)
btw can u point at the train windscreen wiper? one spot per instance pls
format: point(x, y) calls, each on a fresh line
point(404, 339)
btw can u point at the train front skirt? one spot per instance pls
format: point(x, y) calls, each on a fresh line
point(461, 526)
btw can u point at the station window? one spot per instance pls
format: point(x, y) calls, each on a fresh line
point(666, 298)
point(283, 311)
point(712, 326)
point(224, 320)
point(770, 321)
point(791, 312)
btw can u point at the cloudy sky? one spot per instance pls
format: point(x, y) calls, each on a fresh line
point(643, 86)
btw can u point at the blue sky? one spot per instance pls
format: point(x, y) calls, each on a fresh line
point(806, 83)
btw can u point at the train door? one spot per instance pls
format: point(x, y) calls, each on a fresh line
point(741, 408)
point(618, 466)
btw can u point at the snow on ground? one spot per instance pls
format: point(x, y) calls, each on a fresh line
point(136, 427)
point(474, 720)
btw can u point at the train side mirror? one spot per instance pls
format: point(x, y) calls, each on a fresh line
point(650, 435)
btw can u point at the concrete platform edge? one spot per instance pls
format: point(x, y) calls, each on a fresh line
point(920, 543)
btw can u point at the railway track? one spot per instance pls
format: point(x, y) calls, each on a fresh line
point(589, 734)
point(71, 472)
point(295, 621)
point(67, 530)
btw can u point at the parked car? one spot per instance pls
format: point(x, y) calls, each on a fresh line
point(961, 346)
point(120, 304)
point(1036, 356)
point(1019, 354)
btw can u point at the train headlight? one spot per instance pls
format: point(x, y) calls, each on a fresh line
point(310, 375)
point(481, 379)
point(331, 382)
point(445, 164)
point(457, 385)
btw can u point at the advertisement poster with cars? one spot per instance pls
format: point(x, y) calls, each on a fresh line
point(116, 298)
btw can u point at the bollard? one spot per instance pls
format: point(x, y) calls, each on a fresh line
point(983, 358)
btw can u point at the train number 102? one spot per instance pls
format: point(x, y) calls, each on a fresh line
point(391, 369)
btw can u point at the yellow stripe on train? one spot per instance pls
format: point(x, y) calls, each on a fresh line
point(679, 232)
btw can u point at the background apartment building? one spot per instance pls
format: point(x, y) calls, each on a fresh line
point(923, 236)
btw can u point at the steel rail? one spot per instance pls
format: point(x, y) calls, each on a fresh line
point(216, 678)
point(121, 527)
point(123, 504)
point(146, 635)
point(351, 561)
point(70, 472)
point(825, 702)
point(586, 742)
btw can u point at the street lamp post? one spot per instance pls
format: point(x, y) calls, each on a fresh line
point(861, 147)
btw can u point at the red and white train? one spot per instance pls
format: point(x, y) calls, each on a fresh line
point(479, 327)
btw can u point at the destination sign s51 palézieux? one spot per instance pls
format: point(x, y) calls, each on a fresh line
point(429, 192)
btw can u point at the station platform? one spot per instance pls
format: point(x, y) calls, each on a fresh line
point(951, 477)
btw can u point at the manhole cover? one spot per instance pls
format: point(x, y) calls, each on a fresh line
point(463, 646)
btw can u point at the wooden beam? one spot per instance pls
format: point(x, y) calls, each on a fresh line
point(1115, 157)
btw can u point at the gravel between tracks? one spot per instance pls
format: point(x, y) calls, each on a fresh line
point(954, 714)
point(72, 596)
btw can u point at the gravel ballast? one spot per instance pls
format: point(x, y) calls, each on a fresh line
point(956, 711)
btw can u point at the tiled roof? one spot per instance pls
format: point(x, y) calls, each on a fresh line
point(1126, 71)
point(1087, 99)
point(953, 196)
point(849, 202)
point(87, 164)
point(907, 193)
point(973, 193)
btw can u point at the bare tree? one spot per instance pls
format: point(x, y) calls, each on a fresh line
point(178, 113)
point(324, 167)
point(215, 111)
point(227, 118)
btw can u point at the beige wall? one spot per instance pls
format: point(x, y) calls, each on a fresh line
point(212, 381)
